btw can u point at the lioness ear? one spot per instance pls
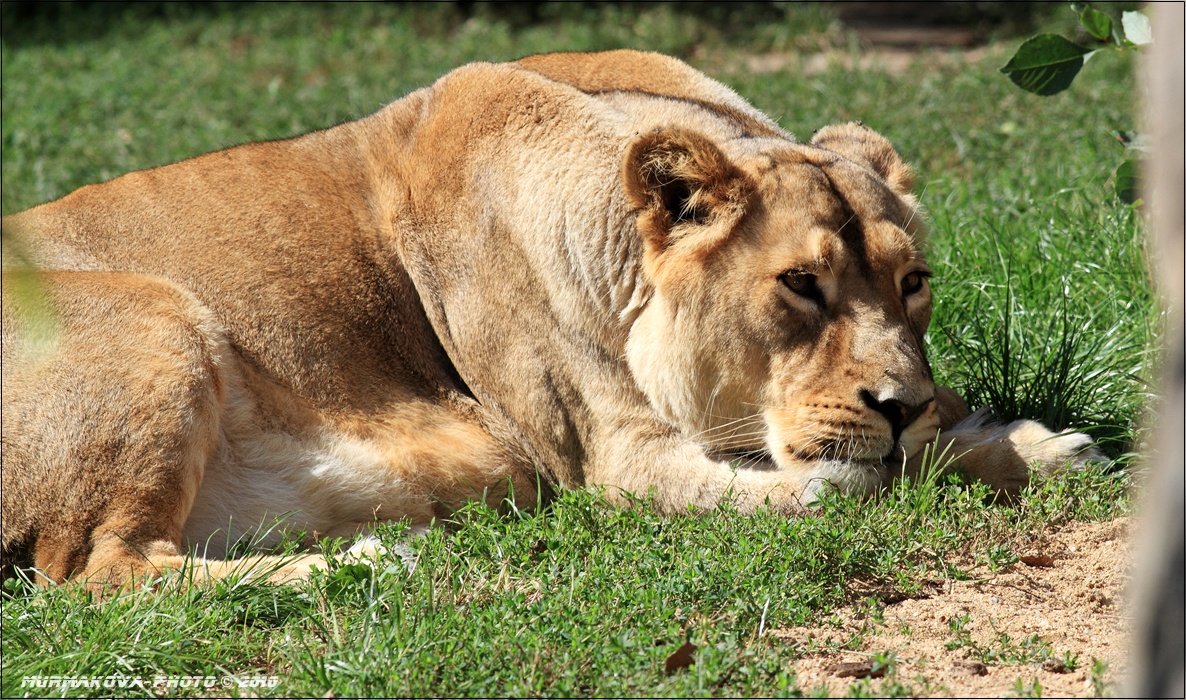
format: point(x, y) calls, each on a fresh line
point(866, 147)
point(682, 185)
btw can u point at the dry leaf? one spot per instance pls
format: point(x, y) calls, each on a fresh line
point(970, 667)
point(1044, 561)
point(856, 669)
point(681, 658)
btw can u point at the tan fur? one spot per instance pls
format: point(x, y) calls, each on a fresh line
point(572, 270)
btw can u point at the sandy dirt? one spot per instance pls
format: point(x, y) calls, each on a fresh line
point(1070, 595)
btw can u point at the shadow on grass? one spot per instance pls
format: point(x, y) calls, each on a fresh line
point(60, 23)
point(31, 22)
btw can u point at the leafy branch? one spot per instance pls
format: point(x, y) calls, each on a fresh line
point(1047, 64)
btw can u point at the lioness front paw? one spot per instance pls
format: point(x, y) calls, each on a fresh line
point(1049, 451)
point(1005, 456)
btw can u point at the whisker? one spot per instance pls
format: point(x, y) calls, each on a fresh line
point(736, 426)
point(737, 432)
point(756, 420)
point(914, 212)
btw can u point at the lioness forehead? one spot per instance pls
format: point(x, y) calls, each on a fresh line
point(803, 169)
point(831, 210)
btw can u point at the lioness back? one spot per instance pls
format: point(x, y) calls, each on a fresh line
point(577, 269)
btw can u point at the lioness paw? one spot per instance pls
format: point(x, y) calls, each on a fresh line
point(1006, 456)
point(1049, 451)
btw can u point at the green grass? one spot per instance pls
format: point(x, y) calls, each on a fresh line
point(581, 599)
point(1042, 311)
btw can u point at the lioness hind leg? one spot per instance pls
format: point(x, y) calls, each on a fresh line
point(110, 412)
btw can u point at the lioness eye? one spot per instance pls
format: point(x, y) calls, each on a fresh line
point(804, 284)
point(911, 283)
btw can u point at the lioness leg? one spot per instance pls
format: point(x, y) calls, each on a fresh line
point(456, 451)
point(111, 407)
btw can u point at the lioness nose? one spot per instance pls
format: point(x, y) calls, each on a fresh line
point(899, 414)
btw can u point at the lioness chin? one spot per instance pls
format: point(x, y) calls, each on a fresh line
point(575, 269)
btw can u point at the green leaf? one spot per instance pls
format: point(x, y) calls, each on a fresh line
point(1045, 64)
point(348, 577)
point(1127, 182)
point(1096, 23)
point(1136, 28)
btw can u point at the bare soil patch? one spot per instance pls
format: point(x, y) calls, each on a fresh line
point(1068, 602)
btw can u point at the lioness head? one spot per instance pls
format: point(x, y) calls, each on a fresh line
point(790, 298)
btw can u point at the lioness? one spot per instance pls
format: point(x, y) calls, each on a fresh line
point(574, 269)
